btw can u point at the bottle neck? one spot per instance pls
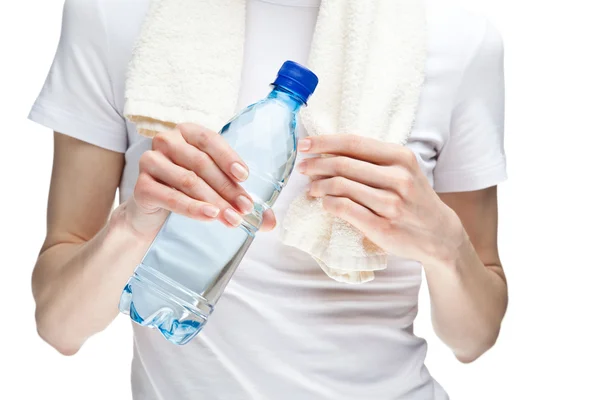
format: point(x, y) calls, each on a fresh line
point(289, 98)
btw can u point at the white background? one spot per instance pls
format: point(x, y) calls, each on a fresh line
point(549, 228)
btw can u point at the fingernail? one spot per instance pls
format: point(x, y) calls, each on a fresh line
point(232, 217)
point(301, 167)
point(239, 171)
point(244, 204)
point(210, 211)
point(304, 145)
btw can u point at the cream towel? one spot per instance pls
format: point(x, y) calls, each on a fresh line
point(370, 60)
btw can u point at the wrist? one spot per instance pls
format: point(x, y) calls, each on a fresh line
point(450, 246)
point(128, 221)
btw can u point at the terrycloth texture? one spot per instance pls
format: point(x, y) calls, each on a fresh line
point(186, 64)
point(370, 59)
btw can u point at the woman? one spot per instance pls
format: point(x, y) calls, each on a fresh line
point(282, 329)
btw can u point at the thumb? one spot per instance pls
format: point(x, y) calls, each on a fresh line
point(269, 221)
point(142, 221)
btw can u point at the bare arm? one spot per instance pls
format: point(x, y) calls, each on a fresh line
point(469, 292)
point(380, 189)
point(89, 254)
point(80, 249)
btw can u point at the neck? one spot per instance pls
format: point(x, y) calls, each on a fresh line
point(287, 97)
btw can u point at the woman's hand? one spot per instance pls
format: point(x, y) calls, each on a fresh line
point(379, 188)
point(191, 171)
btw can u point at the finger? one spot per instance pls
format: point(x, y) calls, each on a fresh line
point(188, 183)
point(191, 158)
point(356, 170)
point(217, 148)
point(355, 214)
point(359, 147)
point(381, 202)
point(313, 178)
point(269, 221)
point(151, 196)
point(163, 170)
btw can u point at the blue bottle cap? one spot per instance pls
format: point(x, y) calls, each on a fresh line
point(298, 79)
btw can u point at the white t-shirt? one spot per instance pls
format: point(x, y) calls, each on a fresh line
point(283, 329)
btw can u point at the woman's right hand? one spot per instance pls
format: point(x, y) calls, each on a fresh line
point(191, 171)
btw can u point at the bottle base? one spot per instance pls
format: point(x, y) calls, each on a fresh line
point(148, 301)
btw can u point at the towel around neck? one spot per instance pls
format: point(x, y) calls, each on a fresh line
point(370, 59)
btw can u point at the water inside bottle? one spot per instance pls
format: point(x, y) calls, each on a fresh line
point(186, 269)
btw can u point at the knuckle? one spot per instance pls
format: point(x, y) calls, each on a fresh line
point(355, 142)
point(409, 158)
point(406, 184)
point(187, 128)
point(339, 206)
point(310, 165)
point(200, 161)
point(342, 164)
point(328, 204)
point(190, 208)
point(338, 184)
point(226, 154)
point(225, 187)
point(201, 136)
point(147, 160)
point(143, 186)
point(318, 187)
point(393, 206)
point(388, 228)
point(161, 141)
point(172, 200)
point(188, 180)
point(345, 206)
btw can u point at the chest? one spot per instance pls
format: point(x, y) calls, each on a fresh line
point(287, 35)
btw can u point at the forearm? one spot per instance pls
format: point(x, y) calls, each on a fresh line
point(468, 301)
point(77, 286)
point(380, 189)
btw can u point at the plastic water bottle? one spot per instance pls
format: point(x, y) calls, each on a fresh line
point(184, 272)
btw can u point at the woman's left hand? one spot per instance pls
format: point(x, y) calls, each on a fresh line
point(379, 188)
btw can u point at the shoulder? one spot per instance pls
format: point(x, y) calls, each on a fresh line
point(82, 21)
point(101, 21)
point(123, 18)
point(102, 33)
point(461, 34)
point(123, 21)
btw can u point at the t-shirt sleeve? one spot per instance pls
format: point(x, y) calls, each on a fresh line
point(473, 157)
point(77, 97)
